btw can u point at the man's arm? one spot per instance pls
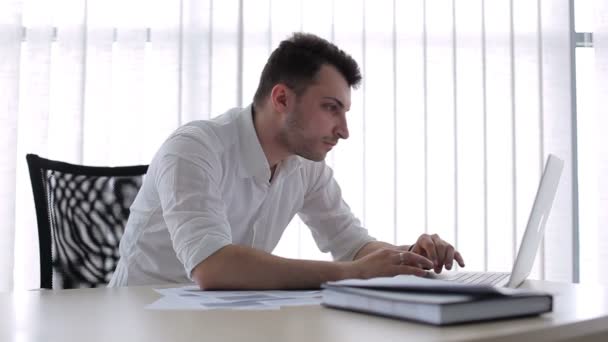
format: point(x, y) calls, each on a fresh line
point(240, 267)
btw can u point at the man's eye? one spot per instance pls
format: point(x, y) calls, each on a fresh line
point(331, 107)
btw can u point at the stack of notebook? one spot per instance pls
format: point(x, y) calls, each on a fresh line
point(433, 301)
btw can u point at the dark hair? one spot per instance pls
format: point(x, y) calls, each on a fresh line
point(297, 61)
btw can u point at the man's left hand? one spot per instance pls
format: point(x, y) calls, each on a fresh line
point(438, 251)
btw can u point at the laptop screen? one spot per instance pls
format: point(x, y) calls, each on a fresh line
point(535, 228)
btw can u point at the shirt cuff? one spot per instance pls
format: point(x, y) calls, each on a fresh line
point(350, 247)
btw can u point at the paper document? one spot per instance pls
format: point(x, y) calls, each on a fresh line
point(192, 298)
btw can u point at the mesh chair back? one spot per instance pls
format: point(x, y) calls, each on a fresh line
point(81, 213)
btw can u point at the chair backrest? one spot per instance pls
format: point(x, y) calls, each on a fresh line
point(81, 213)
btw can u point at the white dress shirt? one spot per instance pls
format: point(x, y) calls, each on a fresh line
point(208, 186)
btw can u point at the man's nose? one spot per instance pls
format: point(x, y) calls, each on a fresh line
point(342, 128)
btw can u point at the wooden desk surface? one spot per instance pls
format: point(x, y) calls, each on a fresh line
point(580, 313)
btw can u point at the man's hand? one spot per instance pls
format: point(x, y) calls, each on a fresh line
point(388, 262)
point(438, 251)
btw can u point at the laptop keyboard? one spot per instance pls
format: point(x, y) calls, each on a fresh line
point(478, 278)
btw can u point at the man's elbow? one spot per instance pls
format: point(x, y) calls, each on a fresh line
point(210, 273)
point(204, 277)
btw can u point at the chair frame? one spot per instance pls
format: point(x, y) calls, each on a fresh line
point(36, 166)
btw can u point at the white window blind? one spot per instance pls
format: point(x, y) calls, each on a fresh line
point(461, 102)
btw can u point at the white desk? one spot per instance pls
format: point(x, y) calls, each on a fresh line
point(110, 315)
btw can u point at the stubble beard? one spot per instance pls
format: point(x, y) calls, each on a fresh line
point(291, 136)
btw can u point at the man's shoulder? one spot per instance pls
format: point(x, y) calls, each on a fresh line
point(217, 133)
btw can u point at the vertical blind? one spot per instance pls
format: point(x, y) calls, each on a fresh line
point(461, 103)
point(594, 150)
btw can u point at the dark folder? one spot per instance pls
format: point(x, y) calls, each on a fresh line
point(434, 303)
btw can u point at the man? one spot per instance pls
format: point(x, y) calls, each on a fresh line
point(219, 193)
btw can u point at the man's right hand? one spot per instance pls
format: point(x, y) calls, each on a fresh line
point(389, 262)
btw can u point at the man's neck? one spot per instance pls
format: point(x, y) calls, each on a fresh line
point(267, 129)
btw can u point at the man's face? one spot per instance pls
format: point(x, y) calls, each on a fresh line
point(318, 119)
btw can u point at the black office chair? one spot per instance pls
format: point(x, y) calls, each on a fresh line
point(81, 212)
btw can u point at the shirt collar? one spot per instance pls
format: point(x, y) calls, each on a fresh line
point(254, 160)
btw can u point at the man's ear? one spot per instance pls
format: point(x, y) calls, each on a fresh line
point(282, 98)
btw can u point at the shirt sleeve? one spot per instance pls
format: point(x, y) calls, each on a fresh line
point(194, 212)
point(333, 225)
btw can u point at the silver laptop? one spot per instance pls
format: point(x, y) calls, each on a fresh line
point(535, 230)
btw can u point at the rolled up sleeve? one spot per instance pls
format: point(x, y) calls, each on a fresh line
point(192, 206)
point(332, 223)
